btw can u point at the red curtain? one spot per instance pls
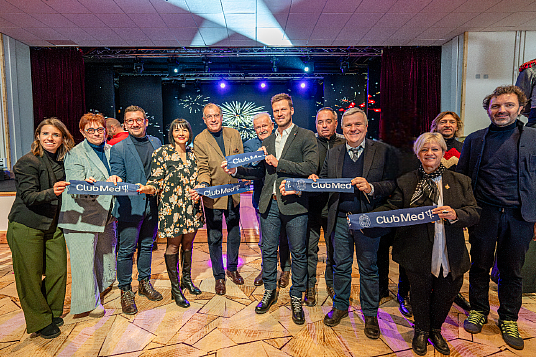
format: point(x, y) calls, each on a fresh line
point(410, 92)
point(58, 86)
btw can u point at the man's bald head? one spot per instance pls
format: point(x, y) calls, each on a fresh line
point(113, 126)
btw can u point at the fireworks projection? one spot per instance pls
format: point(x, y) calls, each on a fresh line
point(239, 115)
point(194, 104)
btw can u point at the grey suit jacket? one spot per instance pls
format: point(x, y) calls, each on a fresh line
point(379, 168)
point(85, 213)
point(298, 159)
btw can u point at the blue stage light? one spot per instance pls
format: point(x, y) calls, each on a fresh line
point(222, 84)
point(303, 85)
point(263, 85)
point(306, 68)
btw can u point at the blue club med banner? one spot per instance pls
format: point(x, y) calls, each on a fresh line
point(101, 188)
point(394, 218)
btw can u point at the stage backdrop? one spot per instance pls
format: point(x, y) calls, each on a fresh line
point(239, 102)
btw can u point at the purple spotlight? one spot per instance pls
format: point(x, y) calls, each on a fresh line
point(263, 85)
point(222, 84)
point(302, 85)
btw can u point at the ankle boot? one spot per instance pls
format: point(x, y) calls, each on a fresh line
point(176, 292)
point(186, 282)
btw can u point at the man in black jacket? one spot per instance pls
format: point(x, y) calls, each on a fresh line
point(327, 138)
point(500, 160)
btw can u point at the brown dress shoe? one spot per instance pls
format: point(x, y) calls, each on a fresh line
point(220, 286)
point(331, 291)
point(235, 277)
point(310, 296)
point(127, 302)
point(284, 280)
point(105, 292)
point(146, 289)
point(258, 280)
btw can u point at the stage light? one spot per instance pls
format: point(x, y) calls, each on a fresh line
point(303, 85)
point(263, 85)
point(306, 69)
point(223, 84)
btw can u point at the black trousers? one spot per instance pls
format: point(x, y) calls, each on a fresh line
point(432, 298)
point(383, 266)
point(505, 229)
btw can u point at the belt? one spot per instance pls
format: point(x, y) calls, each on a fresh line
point(274, 197)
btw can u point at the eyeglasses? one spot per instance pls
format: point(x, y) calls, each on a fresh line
point(210, 116)
point(137, 120)
point(99, 130)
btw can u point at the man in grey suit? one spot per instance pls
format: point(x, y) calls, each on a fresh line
point(291, 152)
point(137, 216)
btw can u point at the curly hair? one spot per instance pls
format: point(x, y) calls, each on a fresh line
point(521, 97)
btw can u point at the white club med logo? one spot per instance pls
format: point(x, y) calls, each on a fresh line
point(364, 221)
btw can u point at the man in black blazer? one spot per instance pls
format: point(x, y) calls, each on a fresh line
point(501, 161)
point(373, 167)
point(291, 152)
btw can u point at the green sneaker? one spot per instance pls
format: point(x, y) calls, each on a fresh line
point(474, 322)
point(510, 334)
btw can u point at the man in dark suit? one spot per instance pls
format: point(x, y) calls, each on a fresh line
point(327, 138)
point(501, 162)
point(291, 152)
point(373, 167)
point(137, 216)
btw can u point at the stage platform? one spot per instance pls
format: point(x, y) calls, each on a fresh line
point(228, 326)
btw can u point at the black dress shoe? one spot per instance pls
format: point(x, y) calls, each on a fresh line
point(372, 329)
point(50, 331)
point(404, 306)
point(420, 342)
point(462, 302)
point(334, 317)
point(297, 310)
point(58, 321)
point(268, 299)
point(439, 342)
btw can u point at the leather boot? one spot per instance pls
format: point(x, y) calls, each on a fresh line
point(176, 292)
point(128, 304)
point(186, 282)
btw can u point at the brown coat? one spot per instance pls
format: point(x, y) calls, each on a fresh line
point(209, 159)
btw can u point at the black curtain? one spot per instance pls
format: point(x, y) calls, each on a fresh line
point(410, 92)
point(58, 86)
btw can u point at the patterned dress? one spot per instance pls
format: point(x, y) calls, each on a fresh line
point(172, 178)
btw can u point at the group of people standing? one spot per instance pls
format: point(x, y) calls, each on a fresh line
point(495, 181)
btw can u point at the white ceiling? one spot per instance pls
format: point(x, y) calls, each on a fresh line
point(177, 23)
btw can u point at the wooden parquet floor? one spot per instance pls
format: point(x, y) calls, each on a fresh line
point(228, 326)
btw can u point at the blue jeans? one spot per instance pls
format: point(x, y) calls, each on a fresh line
point(295, 226)
point(506, 229)
point(284, 253)
point(139, 234)
point(366, 250)
point(214, 219)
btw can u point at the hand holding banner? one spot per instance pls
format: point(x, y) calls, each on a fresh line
point(224, 190)
point(244, 159)
point(320, 185)
point(394, 218)
point(101, 188)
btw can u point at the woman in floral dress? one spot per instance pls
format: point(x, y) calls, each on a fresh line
point(173, 175)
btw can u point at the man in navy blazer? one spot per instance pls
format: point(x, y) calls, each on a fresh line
point(501, 162)
point(372, 165)
point(137, 216)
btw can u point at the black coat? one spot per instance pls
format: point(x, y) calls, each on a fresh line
point(412, 247)
point(35, 205)
point(379, 168)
